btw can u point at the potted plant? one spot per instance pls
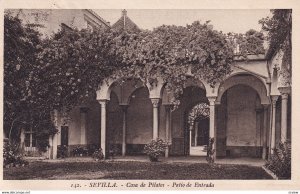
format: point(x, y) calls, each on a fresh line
point(62, 151)
point(210, 151)
point(155, 148)
point(98, 154)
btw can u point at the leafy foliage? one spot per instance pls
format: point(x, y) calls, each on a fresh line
point(279, 29)
point(280, 160)
point(74, 63)
point(155, 148)
point(200, 110)
point(23, 106)
point(80, 151)
point(210, 151)
point(250, 43)
point(12, 154)
point(98, 154)
point(77, 61)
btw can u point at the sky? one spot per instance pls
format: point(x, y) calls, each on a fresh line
point(234, 20)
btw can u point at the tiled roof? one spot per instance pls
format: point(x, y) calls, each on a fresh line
point(125, 23)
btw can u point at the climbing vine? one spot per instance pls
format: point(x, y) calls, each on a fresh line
point(279, 31)
point(77, 61)
point(200, 110)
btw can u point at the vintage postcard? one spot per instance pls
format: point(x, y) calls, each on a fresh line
point(140, 95)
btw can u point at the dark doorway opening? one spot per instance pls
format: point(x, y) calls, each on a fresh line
point(64, 135)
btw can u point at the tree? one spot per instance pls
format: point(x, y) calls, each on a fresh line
point(250, 43)
point(22, 107)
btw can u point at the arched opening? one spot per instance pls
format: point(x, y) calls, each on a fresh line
point(180, 131)
point(114, 125)
point(240, 123)
point(139, 121)
point(122, 116)
point(248, 80)
point(198, 122)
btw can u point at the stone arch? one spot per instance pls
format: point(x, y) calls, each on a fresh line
point(240, 123)
point(198, 110)
point(127, 88)
point(244, 79)
point(191, 96)
point(107, 85)
point(166, 97)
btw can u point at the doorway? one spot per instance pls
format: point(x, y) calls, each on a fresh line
point(198, 126)
point(64, 135)
point(199, 137)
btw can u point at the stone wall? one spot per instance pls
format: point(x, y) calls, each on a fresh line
point(139, 118)
point(190, 97)
point(244, 127)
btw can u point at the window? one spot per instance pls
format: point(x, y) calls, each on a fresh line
point(30, 138)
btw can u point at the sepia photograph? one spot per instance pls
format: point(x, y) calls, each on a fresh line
point(147, 94)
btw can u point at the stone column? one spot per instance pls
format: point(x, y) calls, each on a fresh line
point(55, 136)
point(212, 131)
point(22, 139)
point(155, 102)
point(284, 101)
point(83, 125)
point(196, 125)
point(124, 108)
point(265, 125)
point(284, 91)
point(168, 127)
point(272, 132)
point(103, 126)
point(50, 149)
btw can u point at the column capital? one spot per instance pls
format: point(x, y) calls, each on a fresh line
point(212, 100)
point(102, 102)
point(155, 102)
point(284, 90)
point(284, 96)
point(274, 99)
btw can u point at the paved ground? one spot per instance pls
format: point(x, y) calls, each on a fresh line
point(182, 159)
point(195, 159)
point(191, 168)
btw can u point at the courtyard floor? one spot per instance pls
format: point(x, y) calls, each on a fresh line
point(173, 168)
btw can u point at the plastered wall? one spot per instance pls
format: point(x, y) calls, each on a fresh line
point(241, 117)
